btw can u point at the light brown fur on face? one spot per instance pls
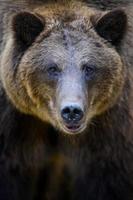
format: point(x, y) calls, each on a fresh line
point(66, 100)
point(70, 41)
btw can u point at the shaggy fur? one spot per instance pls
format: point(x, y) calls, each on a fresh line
point(37, 161)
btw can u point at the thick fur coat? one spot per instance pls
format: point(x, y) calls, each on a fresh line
point(38, 159)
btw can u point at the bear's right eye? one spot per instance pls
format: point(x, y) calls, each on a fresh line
point(53, 70)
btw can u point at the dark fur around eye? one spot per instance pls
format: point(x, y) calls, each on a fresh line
point(89, 70)
point(53, 70)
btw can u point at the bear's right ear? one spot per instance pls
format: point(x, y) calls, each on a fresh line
point(112, 26)
point(26, 27)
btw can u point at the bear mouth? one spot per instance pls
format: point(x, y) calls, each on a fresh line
point(74, 128)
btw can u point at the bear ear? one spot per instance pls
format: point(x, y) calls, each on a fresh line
point(112, 26)
point(26, 27)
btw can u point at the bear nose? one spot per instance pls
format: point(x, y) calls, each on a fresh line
point(72, 114)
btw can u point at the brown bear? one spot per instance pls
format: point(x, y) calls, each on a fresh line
point(66, 100)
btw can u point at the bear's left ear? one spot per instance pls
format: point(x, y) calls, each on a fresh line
point(112, 26)
point(26, 27)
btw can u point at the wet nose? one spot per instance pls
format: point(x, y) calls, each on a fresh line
point(72, 114)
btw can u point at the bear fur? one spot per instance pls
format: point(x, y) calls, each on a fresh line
point(38, 159)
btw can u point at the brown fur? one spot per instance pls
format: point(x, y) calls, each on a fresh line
point(51, 13)
point(98, 160)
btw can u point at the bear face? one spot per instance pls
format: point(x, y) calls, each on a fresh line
point(64, 71)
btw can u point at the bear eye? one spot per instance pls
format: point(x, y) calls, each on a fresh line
point(53, 70)
point(88, 70)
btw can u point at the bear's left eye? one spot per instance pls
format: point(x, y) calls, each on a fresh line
point(53, 70)
point(88, 70)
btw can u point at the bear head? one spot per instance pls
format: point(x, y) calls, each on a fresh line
point(64, 66)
